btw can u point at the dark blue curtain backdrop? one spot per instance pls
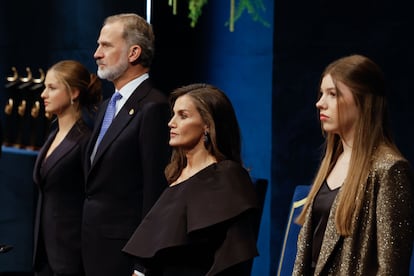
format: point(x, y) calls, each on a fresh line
point(270, 73)
point(240, 63)
point(45, 32)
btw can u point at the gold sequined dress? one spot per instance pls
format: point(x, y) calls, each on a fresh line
point(382, 235)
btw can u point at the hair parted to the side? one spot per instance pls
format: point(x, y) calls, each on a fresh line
point(137, 31)
point(75, 75)
point(218, 113)
point(366, 81)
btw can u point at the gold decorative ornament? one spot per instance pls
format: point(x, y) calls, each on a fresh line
point(14, 77)
point(35, 109)
point(29, 76)
point(8, 109)
point(21, 109)
point(41, 77)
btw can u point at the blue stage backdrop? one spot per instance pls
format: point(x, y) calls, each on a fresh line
point(241, 63)
point(271, 73)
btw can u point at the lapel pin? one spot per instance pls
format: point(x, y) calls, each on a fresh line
point(131, 111)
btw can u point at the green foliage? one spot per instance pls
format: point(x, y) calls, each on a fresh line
point(253, 8)
point(195, 7)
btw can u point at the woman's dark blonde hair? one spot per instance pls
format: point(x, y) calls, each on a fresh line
point(217, 112)
point(366, 81)
point(75, 75)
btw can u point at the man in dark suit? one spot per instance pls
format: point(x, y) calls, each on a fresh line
point(125, 172)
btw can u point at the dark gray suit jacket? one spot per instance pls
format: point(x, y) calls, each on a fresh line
point(125, 178)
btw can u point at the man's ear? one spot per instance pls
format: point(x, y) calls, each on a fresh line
point(134, 53)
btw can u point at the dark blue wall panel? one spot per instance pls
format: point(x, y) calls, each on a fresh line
point(241, 64)
point(235, 62)
point(270, 73)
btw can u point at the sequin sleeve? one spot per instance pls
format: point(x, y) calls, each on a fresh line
point(395, 215)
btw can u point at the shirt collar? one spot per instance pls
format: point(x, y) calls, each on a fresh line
point(130, 87)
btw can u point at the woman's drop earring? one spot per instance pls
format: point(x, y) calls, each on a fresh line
point(206, 137)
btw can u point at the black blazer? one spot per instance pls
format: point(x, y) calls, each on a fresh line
point(125, 178)
point(60, 179)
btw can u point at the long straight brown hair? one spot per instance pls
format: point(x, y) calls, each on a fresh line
point(366, 81)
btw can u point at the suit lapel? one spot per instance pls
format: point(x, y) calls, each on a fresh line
point(41, 156)
point(67, 144)
point(97, 128)
point(121, 120)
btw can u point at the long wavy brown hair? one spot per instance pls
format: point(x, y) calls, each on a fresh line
point(217, 112)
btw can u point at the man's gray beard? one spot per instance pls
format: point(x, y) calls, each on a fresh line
point(114, 72)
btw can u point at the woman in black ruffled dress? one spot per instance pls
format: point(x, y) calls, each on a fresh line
point(203, 223)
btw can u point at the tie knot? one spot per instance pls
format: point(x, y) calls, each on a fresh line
point(116, 96)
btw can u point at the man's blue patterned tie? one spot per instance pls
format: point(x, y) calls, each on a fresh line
point(109, 115)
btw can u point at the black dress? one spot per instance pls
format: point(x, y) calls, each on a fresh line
point(320, 215)
point(202, 226)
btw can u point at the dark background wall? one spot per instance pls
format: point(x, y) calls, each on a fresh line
point(309, 35)
point(270, 73)
point(239, 65)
